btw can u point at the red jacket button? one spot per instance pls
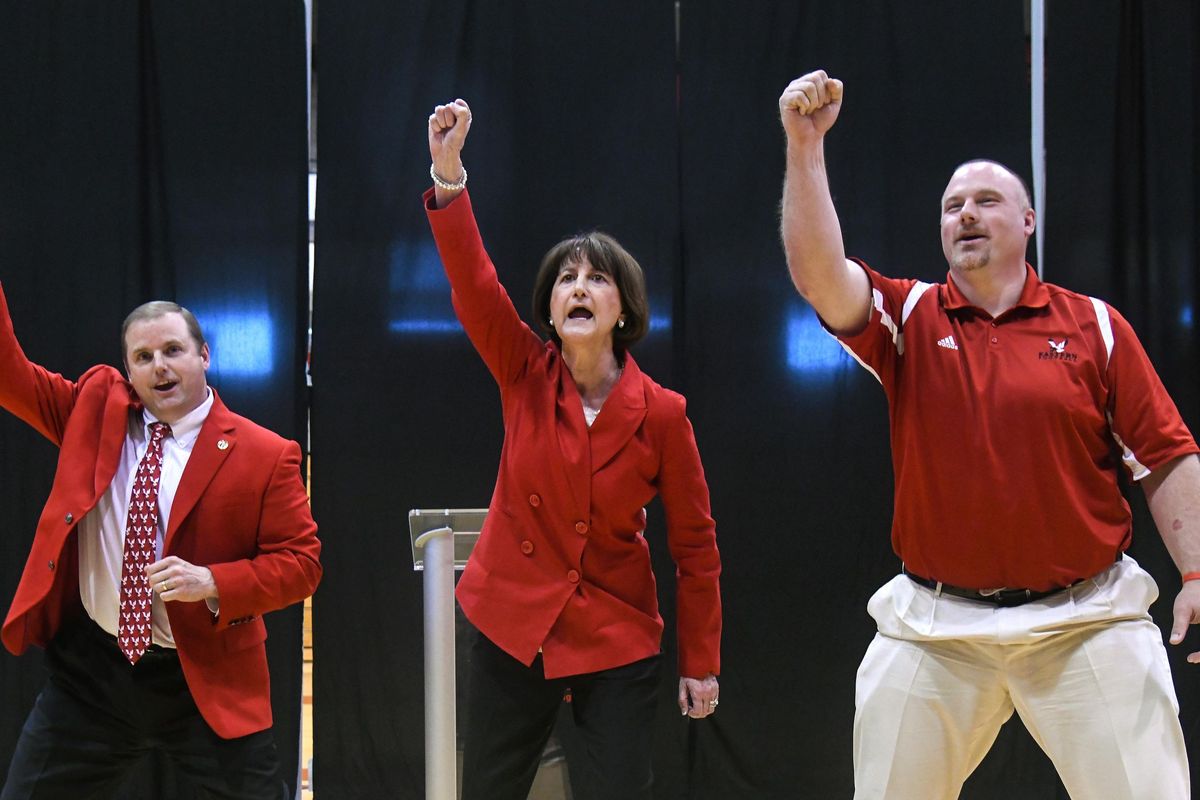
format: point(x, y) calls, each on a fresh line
point(527, 547)
point(581, 528)
point(534, 500)
point(69, 518)
point(573, 576)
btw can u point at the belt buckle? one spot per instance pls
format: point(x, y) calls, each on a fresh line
point(1014, 597)
point(991, 592)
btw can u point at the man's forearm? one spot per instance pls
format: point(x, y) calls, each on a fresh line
point(1173, 494)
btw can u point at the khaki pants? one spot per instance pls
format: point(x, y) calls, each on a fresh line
point(1086, 670)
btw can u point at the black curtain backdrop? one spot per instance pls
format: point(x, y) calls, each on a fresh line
point(594, 119)
point(153, 150)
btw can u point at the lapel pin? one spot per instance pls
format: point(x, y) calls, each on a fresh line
point(222, 444)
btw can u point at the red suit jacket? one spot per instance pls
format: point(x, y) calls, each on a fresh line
point(562, 564)
point(240, 509)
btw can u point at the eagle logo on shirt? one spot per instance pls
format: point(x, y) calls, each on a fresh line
point(1057, 351)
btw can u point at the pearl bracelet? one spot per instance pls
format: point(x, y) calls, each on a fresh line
point(442, 183)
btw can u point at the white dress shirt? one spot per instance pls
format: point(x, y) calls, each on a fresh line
point(102, 530)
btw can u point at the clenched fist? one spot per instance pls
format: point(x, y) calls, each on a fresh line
point(448, 126)
point(809, 106)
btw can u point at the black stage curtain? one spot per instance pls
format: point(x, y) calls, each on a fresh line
point(586, 120)
point(153, 150)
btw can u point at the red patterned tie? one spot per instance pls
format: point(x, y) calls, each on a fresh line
point(141, 528)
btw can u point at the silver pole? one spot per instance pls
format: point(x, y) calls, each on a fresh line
point(1037, 35)
point(441, 746)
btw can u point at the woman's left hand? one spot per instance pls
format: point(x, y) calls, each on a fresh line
point(698, 696)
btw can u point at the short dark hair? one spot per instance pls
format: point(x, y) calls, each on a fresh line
point(605, 254)
point(1024, 186)
point(158, 308)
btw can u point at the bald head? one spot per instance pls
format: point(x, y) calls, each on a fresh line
point(1024, 197)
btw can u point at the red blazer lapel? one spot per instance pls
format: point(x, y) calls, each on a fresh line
point(217, 439)
point(573, 443)
point(114, 427)
point(621, 416)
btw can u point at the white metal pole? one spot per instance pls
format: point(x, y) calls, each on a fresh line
point(1037, 35)
point(441, 746)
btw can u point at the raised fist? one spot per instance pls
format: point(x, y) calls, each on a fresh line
point(809, 105)
point(448, 126)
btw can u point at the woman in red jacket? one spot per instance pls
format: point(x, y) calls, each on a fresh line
point(560, 585)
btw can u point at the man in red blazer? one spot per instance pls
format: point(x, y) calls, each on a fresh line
point(229, 538)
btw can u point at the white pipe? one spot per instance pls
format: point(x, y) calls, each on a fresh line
point(441, 745)
point(1037, 33)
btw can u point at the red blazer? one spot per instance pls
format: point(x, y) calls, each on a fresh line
point(241, 510)
point(562, 564)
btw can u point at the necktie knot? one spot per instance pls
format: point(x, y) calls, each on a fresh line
point(158, 432)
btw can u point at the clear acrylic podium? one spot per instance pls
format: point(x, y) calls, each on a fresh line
point(442, 540)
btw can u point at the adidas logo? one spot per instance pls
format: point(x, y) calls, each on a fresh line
point(948, 343)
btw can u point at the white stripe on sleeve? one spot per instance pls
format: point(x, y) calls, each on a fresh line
point(910, 302)
point(1105, 322)
point(1136, 468)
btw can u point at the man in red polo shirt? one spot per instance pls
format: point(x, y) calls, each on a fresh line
point(1014, 404)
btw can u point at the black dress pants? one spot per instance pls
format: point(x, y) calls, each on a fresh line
point(510, 716)
point(98, 715)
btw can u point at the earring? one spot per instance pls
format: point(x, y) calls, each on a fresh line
point(551, 321)
point(620, 323)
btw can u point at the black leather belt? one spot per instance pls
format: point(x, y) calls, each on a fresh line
point(996, 597)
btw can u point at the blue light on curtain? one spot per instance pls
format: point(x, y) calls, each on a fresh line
point(810, 349)
point(241, 343)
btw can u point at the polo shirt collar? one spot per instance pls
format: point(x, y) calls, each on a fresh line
point(1034, 293)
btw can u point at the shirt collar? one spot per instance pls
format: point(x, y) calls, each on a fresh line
point(1034, 293)
point(187, 428)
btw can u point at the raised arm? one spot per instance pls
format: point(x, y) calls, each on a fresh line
point(41, 398)
point(812, 237)
point(483, 306)
point(448, 126)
